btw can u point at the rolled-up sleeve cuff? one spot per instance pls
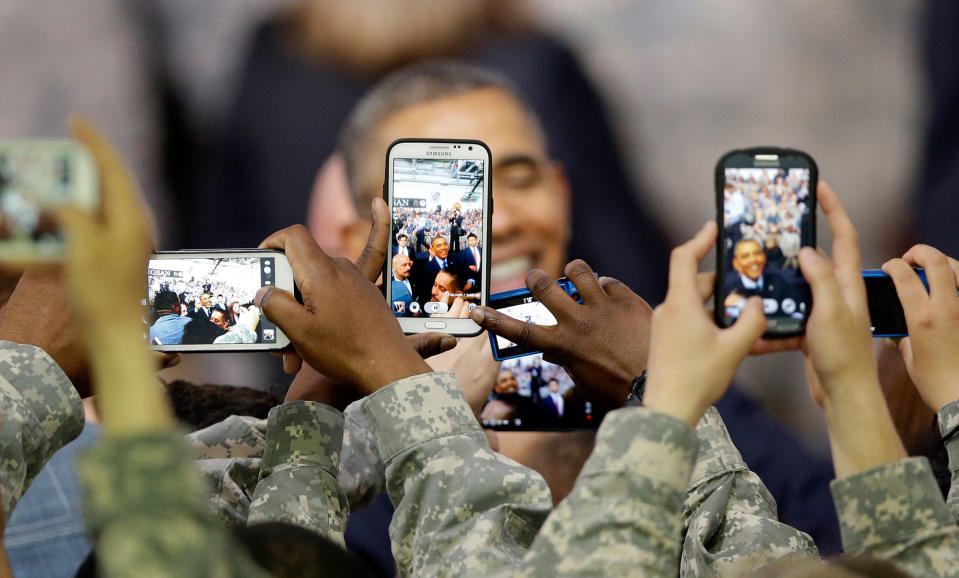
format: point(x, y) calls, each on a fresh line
point(894, 501)
point(638, 438)
point(303, 431)
point(417, 409)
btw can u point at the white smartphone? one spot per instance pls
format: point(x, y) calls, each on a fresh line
point(37, 176)
point(437, 269)
point(203, 300)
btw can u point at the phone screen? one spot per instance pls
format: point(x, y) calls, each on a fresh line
point(438, 236)
point(36, 177)
point(886, 317)
point(532, 394)
point(767, 215)
point(208, 301)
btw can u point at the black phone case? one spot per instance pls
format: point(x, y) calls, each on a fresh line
point(720, 182)
point(487, 227)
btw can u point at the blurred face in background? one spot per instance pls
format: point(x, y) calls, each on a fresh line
point(531, 224)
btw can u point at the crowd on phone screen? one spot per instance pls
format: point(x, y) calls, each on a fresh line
point(200, 312)
point(421, 226)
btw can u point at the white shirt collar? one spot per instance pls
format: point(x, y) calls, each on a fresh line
point(749, 283)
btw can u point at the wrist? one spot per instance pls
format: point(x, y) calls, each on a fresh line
point(376, 374)
point(659, 397)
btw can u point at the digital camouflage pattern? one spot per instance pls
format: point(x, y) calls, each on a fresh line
point(298, 472)
point(145, 506)
point(229, 454)
point(896, 512)
point(730, 520)
point(949, 428)
point(40, 412)
point(623, 516)
point(461, 508)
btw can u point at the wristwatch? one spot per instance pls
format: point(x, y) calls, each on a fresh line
point(636, 389)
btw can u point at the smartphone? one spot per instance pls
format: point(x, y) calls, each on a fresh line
point(203, 300)
point(766, 211)
point(36, 177)
point(439, 196)
point(530, 394)
point(886, 317)
point(520, 304)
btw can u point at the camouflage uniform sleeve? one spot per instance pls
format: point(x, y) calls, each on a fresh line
point(362, 474)
point(298, 472)
point(228, 454)
point(461, 509)
point(730, 520)
point(40, 412)
point(896, 512)
point(623, 516)
point(146, 508)
point(949, 427)
point(237, 334)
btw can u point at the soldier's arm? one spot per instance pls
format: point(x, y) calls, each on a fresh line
point(895, 511)
point(948, 418)
point(623, 516)
point(40, 412)
point(298, 471)
point(730, 521)
point(461, 509)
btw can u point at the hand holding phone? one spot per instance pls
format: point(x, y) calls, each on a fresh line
point(766, 211)
point(932, 317)
point(602, 342)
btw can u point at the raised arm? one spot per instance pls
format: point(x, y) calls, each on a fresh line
point(145, 502)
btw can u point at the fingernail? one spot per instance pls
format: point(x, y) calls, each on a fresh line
point(447, 342)
point(478, 315)
point(262, 296)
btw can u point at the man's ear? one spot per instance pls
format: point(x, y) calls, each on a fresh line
point(564, 197)
point(353, 237)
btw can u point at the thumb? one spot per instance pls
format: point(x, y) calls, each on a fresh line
point(430, 344)
point(905, 350)
point(748, 328)
point(282, 308)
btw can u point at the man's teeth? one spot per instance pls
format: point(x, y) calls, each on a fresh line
point(515, 267)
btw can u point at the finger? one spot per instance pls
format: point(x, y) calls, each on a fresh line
point(765, 346)
point(517, 331)
point(845, 248)
point(166, 360)
point(120, 201)
point(706, 284)
point(939, 275)
point(905, 350)
point(373, 256)
point(301, 250)
point(912, 293)
point(747, 330)
point(585, 280)
point(430, 344)
point(292, 362)
point(550, 294)
point(954, 265)
point(282, 308)
point(818, 271)
point(614, 287)
point(684, 262)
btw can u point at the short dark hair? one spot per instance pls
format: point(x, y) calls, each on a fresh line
point(472, 235)
point(417, 83)
point(199, 406)
point(457, 278)
point(165, 300)
point(401, 237)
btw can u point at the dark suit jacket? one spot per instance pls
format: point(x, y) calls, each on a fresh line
point(408, 248)
point(775, 286)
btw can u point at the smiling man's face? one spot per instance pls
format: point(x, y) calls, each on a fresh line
point(531, 224)
point(749, 259)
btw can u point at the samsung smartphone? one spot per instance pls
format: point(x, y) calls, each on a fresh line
point(36, 177)
point(520, 304)
point(766, 211)
point(437, 267)
point(203, 300)
point(886, 317)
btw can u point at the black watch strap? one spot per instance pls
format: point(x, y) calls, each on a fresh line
point(636, 389)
